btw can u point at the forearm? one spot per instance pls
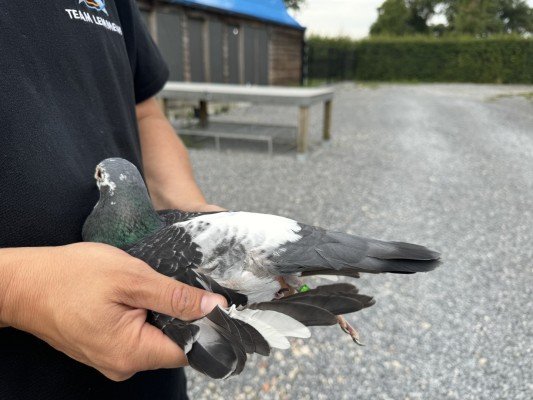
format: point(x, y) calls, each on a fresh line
point(6, 278)
point(167, 168)
point(15, 304)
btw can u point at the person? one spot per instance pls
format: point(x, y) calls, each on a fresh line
point(78, 79)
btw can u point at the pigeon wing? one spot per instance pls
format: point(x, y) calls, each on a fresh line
point(274, 245)
point(171, 252)
point(217, 345)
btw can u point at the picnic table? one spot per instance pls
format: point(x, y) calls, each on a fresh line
point(276, 95)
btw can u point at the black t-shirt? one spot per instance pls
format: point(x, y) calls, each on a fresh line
point(71, 72)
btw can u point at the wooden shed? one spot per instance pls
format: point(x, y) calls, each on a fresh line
point(227, 41)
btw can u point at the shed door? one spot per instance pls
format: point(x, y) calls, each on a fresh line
point(169, 40)
point(216, 59)
point(256, 56)
point(233, 33)
point(262, 56)
point(196, 49)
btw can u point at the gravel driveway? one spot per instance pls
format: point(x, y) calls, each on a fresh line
point(449, 166)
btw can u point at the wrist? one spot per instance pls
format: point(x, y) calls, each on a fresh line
point(168, 201)
point(190, 206)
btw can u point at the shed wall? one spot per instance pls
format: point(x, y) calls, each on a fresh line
point(202, 46)
point(169, 27)
point(285, 56)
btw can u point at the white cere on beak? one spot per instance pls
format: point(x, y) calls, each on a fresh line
point(102, 179)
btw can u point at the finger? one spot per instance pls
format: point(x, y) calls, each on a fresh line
point(159, 293)
point(156, 350)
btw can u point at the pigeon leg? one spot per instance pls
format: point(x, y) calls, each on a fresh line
point(350, 330)
point(287, 286)
point(293, 282)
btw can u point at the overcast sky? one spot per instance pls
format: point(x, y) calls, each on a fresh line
point(341, 17)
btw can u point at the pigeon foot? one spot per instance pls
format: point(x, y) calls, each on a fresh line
point(350, 330)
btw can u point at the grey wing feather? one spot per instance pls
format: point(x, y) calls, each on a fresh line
point(319, 250)
point(234, 328)
point(167, 249)
point(182, 333)
point(321, 305)
point(213, 354)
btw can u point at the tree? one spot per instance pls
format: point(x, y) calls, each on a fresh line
point(464, 17)
point(403, 17)
point(486, 17)
point(294, 4)
point(517, 16)
point(474, 17)
point(421, 12)
point(393, 19)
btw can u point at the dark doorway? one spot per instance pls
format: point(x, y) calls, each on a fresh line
point(196, 49)
point(169, 40)
point(256, 56)
point(233, 33)
point(216, 58)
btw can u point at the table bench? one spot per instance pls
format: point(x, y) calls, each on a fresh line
point(275, 95)
point(241, 131)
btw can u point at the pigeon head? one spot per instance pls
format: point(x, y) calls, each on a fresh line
point(124, 213)
point(117, 172)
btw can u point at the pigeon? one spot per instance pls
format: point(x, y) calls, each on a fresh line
point(245, 257)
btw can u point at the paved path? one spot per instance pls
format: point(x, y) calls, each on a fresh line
point(449, 166)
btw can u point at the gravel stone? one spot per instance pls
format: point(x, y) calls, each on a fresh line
point(448, 166)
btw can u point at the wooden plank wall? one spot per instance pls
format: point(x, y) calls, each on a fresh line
point(284, 44)
point(285, 56)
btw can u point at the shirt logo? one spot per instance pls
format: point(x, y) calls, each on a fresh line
point(98, 5)
point(90, 17)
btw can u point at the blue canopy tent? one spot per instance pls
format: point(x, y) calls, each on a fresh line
point(264, 10)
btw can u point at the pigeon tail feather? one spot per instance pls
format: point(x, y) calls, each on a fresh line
point(321, 252)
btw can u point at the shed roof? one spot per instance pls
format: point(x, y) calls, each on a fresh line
point(266, 10)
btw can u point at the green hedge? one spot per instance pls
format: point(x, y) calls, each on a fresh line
point(490, 60)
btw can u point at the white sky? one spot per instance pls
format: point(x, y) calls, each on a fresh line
point(341, 17)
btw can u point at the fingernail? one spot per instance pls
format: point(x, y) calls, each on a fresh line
point(210, 301)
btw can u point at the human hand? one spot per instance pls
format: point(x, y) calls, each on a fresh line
point(89, 301)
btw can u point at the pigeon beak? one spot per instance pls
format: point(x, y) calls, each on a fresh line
point(102, 179)
point(99, 175)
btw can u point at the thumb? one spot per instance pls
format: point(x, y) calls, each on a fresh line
point(165, 295)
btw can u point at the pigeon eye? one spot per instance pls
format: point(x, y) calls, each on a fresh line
point(99, 174)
